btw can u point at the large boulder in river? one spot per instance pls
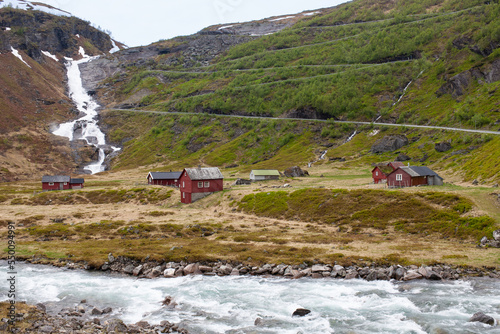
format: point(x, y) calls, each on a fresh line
point(300, 312)
point(295, 171)
point(389, 144)
point(481, 317)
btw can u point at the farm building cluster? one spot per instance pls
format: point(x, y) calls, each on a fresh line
point(197, 183)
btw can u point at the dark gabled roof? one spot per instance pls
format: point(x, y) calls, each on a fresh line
point(415, 171)
point(395, 164)
point(77, 181)
point(165, 175)
point(55, 178)
point(209, 173)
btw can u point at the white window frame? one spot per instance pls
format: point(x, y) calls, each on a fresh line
point(207, 184)
point(183, 186)
point(51, 183)
point(399, 177)
point(200, 184)
point(376, 173)
point(184, 195)
point(65, 183)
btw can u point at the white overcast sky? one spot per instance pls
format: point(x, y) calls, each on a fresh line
point(141, 22)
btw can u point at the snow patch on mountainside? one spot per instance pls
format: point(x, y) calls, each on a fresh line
point(18, 55)
point(28, 5)
point(50, 55)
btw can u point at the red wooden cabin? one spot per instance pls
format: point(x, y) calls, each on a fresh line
point(379, 173)
point(413, 176)
point(196, 183)
point(61, 182)
point(76, 183)
point(164, 178)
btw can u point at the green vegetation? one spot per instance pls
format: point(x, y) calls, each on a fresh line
point(356, 210)
point(353, 62)
point(140, 195)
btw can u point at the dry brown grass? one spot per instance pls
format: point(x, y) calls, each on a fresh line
point(210, 229)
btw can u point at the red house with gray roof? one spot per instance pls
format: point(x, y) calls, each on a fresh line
point(61, 182)
point(164, 178)
point(197, 183)
point(411, 176)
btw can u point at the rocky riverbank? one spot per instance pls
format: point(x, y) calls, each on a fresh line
point(370, 272)
point(83, 318)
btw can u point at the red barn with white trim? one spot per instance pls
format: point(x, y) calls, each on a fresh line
point(196, 183)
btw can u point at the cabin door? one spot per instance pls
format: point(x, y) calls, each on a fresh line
point(61, 186)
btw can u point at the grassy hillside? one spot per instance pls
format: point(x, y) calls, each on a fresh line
point(363, 60)
point(172, 142)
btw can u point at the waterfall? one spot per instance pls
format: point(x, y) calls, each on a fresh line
point(85, 127)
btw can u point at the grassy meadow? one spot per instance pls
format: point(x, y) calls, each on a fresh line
point(335, 215)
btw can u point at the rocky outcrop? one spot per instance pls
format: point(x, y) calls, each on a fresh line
point(295, 171)
point(443, 146)
point(389, 144)
point(458, 84)
point(56, 34)
point(495, 242)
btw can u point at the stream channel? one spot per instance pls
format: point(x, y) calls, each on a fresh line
point(232, 304)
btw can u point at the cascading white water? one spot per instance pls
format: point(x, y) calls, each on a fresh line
point(232, 304)
point(85, 104)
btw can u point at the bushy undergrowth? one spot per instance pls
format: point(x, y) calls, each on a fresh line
point(357, 210)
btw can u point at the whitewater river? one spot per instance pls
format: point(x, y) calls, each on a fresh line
point(232, 304)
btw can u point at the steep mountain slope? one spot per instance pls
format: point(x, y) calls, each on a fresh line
point(33, 98)
point(411, 62)
point(433, 62)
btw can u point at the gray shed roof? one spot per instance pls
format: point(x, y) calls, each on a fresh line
point(208, 173)
point(165, 175)
point(55, 178)
point(77, 181)
point(416, 171)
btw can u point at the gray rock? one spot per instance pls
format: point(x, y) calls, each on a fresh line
point(389, 144)
point(483, 241)
point(411, 275)
point(496, 235)
point(107, 310)
point(115, 325)
point(96, 311)
point(319, 268)
point(137, 270)
point(169, 272)
point(481, 317)
point(111, 258)
point(129, 269)
point(443, 146)
point(295, 171)
point(300, 312)
point(402, 157)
